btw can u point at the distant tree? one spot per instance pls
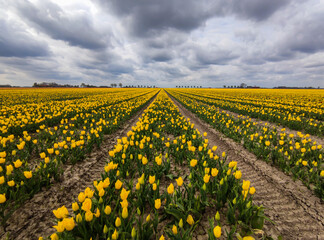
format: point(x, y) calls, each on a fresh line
point(224, 86)
point(243, 85)
point(120, 85)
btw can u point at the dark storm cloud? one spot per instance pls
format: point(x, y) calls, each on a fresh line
point(308, 36)
point(278, 55)
point(215, 57)
point(107, 62)
point(76, 29)
point(258, 10)
point(16, 42)
point(156, 54)
point(162, 57)
point(314, 65)
point(146, 18)
point(166, 39)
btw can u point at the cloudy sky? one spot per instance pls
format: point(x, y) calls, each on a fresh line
point(164, 43)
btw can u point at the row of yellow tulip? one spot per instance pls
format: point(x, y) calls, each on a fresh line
point(32, 161)
point(296, 109)
point(296, 155)
point(158, 182)
point(35, 107)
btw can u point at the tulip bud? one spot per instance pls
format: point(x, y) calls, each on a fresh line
point(217, 216)
point(133, 232)
point(181, 223)
point(105, 229)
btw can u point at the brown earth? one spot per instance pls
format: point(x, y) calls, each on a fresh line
point(297, 213)
point(35, 218)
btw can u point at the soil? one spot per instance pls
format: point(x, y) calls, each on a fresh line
point(296, 211)
point(35, 217)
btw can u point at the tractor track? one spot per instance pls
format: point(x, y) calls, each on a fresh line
point(297, 213)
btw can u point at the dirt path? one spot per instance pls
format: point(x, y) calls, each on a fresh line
point(35, 218)
point(298, 214)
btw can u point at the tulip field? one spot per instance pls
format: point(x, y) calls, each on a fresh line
point(163, 179)
point(297, 155)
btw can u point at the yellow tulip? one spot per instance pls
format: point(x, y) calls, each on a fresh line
point(214, 172)
point(174, 229)
point(88, 216)
point(78, 218)
point(217, 231)
point(11, 183)
point(206, 178)
point(190, 220)
point(117, 222)
point(248, 238)
point(179, 181)
point(54, 237)
point(252, 190)
point(114, 236)
point(3, 198)
point(151, 179)
point(193, 162)
point(170, 189)
point(238, 174)
point(107, 210)
point(28, 174)
point(81, 197)
point(86, 205)
point(75, 206)
point(125, 213)
point(157, 203)
point(2, 180)
point(68, 223)
point(118, 184)
point(17, 163)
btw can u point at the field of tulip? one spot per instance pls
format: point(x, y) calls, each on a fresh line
point(42, 130)
point(296, 109)
point(161, 181)
point(297, 155)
